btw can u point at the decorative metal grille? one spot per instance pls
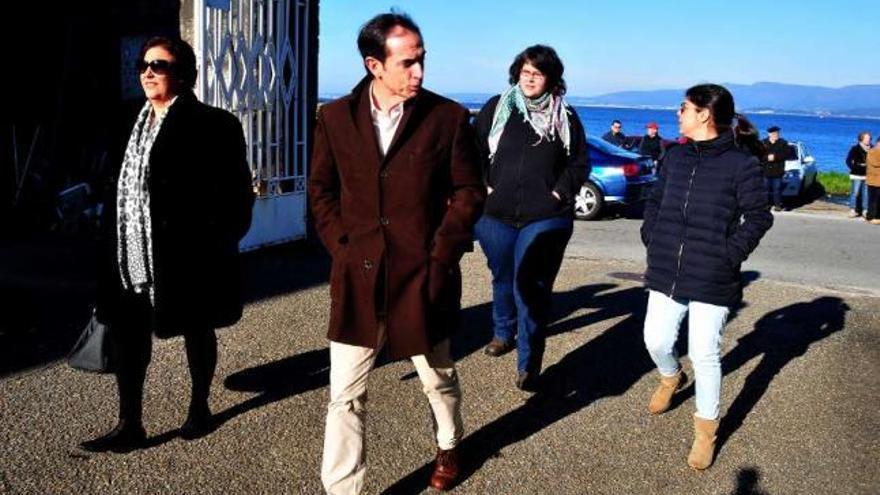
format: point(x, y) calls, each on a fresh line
point(253, 56)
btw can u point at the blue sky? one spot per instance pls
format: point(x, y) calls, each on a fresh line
point(614, 46)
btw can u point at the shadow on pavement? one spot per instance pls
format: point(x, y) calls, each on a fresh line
point(780, 336)
point(48, 289)
point(747, 482)
point(591, 372)
point(277, 380)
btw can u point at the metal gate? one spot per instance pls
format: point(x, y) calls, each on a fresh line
point(253, 62)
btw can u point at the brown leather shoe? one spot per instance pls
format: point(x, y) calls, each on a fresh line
point(498, 347)
point(445, 470)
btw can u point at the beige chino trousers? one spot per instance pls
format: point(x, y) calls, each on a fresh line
point(344, 464)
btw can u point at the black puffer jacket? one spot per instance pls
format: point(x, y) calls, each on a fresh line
point(706, 214)
point(524, 174)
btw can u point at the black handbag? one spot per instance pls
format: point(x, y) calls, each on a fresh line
point(93, 351)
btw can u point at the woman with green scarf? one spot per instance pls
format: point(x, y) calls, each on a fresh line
point(534, 157)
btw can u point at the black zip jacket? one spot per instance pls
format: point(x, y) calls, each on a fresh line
point(856, 159)
point(525, 172)
point(775, 168)
point(618, 139)
point(705, 215)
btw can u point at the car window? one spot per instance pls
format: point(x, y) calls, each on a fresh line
point(792, 152)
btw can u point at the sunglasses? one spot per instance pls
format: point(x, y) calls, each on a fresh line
point(158, 66)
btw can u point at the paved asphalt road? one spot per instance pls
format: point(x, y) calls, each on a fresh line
point(816, 245)
point(800, 394)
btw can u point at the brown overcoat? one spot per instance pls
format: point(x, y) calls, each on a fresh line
point(397, 225)
point(872, 163)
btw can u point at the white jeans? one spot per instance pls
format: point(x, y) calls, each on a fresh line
point(705, 323)
point(344, 464)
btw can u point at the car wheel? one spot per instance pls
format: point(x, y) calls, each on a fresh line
point(589, 202)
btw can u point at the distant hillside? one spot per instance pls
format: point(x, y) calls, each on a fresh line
point(862, 100)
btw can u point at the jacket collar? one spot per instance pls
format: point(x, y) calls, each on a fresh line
point(360, 111)
point(714, 146)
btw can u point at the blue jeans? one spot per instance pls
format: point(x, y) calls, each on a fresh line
point(524, 262)
point(857, 188)
point(705, 323)
point(774, 190)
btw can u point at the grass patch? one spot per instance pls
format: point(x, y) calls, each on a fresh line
point(834, 182)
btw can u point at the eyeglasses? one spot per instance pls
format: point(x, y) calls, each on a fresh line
point(684, 107)
point(527, 74)
point(159, 67)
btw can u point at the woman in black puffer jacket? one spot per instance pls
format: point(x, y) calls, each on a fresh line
point(706, 214)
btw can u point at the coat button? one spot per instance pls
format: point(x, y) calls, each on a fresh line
point(368, 264)
point(384, 221)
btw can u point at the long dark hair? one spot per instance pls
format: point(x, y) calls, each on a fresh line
point(545, 59)
point(718, 100)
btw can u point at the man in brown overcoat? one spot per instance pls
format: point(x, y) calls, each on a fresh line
point(395, 190)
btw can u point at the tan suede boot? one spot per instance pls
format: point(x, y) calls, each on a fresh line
point(662, 397)
point(703, 449)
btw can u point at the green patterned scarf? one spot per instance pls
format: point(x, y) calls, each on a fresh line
point(547, 114)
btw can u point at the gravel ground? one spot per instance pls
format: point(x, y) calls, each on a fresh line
point(800, 396)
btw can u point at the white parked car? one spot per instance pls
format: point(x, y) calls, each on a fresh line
point(800, 170)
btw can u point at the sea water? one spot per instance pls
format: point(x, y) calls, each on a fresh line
point(827, 138)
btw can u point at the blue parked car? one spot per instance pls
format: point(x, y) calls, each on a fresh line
point(618, 177)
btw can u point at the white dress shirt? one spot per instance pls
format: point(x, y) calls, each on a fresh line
point(385, 124)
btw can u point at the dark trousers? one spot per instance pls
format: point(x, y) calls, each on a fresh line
point(873, 210)
point(774, 190)
point(133, 345)
point(524, 263)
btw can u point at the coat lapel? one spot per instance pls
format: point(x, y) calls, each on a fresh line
point(363, 122)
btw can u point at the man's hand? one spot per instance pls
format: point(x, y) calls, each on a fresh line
point(771, 157)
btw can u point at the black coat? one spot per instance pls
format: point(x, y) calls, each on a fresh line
point(780, 150)
point(705, 215)
point(652, 146)
point(524, 175)
point(618, 139)
point(855, 160)
point(201, 200)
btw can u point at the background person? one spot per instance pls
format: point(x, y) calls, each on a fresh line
point(615, 134)
point(395, 190)
point(170, 260)
point(872, 179)
point(705, 215)
point(652, 144)
point(534, 156)
point(855, 160)
point(773, 164)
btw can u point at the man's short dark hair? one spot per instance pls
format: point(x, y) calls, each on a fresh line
point(371, 39)
point(545, 59)
point(184, 58)
point(617, 122)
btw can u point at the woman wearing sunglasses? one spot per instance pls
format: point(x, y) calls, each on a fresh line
point(706, 214)
point(534, 155)
point(172, 224)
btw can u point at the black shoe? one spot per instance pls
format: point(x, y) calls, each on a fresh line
point(527, 381)
point(197, 425)
point(122, 439)
point(498, 347)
